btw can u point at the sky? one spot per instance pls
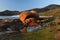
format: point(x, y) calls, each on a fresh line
point(21, 5)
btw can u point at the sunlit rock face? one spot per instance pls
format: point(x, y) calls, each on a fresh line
point(26, 15)
point(30, 20)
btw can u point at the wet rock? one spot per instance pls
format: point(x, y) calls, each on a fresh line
point(34, 28)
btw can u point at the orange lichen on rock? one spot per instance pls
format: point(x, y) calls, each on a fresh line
point(29, 20)
point(26, 15)
point(33, 24)
point(23, 15)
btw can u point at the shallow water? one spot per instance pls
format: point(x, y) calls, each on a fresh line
point(9, 17)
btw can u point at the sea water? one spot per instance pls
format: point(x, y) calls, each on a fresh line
point(9, 17)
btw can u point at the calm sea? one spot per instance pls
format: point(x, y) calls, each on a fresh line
point(9, 17)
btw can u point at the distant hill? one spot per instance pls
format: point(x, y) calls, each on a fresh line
point(47, 8)
point(8, 13)
point(39, 10)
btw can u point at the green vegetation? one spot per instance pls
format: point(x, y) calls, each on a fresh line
point(55, 12)
point(44, 34)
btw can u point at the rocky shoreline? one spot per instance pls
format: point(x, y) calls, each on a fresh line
point(12, 24)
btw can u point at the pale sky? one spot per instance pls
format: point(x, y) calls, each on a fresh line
point(21, 5)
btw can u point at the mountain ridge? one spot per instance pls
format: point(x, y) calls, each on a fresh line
point(47, 8)
point(39, 10)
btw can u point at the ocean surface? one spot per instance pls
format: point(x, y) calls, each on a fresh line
point(9, 17)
